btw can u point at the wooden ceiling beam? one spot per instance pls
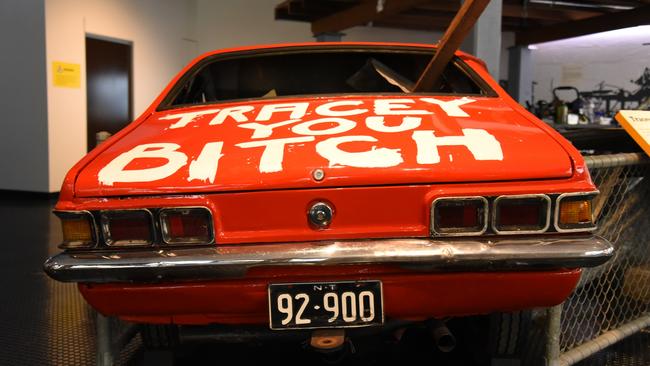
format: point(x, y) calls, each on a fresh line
point(618, 2)
point(361, 14)
point(459, 28)
point(546, 13)
point(317, 9)
point(417, 22)
point(415, 27)
point(532, 11)
point(438, 6)
point(601, 23)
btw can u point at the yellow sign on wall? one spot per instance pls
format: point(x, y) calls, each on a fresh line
point(637, 125)
point(66, 75)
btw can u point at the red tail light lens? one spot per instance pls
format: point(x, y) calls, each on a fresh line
point(127, 227)
point(186, 225)
point(459, 216)
point(522, 214)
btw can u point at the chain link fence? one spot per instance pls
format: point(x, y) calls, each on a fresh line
point(612, 300)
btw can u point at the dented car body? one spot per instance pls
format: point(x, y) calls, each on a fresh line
point(302, 186)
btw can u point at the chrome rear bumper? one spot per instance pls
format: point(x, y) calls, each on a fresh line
point(233, 261)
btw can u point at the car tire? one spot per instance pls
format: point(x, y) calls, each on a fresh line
point(495, 339)
point(155, 336)
point(508, 335)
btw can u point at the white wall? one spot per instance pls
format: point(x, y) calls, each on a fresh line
point(23, 102)
point(615, 57)
point(163, 36)
point(507, 41)
point(231, 23)
point(378, 34)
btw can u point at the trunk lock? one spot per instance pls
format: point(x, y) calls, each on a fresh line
point(320, 215)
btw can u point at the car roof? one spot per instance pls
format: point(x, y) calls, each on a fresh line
point(423, 46)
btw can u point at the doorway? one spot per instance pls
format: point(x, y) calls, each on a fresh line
point(109, 86)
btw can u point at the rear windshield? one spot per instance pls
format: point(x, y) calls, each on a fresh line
point(312, 72)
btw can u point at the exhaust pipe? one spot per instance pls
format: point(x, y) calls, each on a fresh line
point(327, 339)
point(445, 341)
point(399, 333)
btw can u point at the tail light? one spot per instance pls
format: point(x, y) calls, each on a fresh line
point(525, 214)
point(574, 212)
point(78, 229)
point(126, 228)
point(190, 225)
point(454, 216)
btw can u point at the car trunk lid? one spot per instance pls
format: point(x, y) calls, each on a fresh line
point(352, 140)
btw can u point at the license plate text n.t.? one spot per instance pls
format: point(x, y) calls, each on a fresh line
point(325, 305)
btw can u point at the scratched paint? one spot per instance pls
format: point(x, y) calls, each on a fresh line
point(327, 119)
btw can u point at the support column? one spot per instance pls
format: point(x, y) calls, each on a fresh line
point(104, 348)
point(553, 332)
point(485, 40)
point(520, 74)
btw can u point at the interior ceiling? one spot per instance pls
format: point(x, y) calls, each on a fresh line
point(520, 16)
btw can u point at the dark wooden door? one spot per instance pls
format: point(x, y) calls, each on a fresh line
point(108, 78)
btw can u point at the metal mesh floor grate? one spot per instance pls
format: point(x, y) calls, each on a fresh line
point(633, 351)
point(42, 322)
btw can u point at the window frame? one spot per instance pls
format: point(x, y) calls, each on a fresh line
point(166, 103)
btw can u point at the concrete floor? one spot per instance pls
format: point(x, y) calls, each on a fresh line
point(43, 322)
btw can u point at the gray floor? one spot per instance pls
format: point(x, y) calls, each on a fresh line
point(43, 322)
point(633, 351)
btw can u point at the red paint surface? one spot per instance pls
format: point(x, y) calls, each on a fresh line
point(537, 157)
point(360, 212)
point(528, 152)
point(412, 296)
point(376, 203)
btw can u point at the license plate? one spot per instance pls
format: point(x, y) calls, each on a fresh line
point(325, 305)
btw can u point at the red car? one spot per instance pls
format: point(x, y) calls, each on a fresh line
point(305, 187)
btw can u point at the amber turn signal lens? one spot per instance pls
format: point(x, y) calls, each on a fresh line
point(575, 212)
point(78, 230)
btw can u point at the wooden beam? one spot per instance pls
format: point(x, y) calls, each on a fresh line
point(409, 26)
point(547, 13)
point(422, 22)
point(438, 6)
point(601, 23)
point(518, 11)
point(460, 26)
point(360, 15)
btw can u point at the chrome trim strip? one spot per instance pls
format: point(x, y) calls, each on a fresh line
point(233, 261)
point(104, 217)
point(165, 233)
point(556, 220)
point(486, 209)
point(516, 232)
